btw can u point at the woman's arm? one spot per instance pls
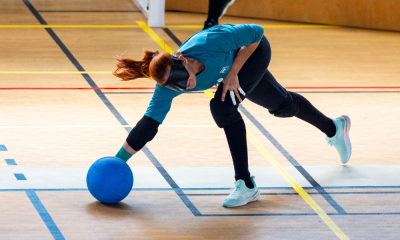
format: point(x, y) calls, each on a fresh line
point(126, 152)
point(128, 148)
point(144, 131)
point(231, 82)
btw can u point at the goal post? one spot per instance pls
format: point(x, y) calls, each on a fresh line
point(154, 10)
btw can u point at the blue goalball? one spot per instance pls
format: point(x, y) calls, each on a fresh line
point(109, 179)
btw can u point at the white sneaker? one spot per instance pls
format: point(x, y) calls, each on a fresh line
point(341, 140)
point(241, 195)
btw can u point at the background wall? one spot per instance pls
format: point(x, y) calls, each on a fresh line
point(375, 14)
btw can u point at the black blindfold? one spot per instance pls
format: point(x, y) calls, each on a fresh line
point(178, 76)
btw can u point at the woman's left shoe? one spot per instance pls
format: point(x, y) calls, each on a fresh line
point(341, 140)
point(241, 195)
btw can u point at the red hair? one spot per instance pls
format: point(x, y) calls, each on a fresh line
point(153, 65)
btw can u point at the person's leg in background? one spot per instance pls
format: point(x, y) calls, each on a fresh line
point(216, 9)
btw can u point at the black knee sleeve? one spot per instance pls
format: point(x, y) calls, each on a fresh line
point(224, 114)
point(288, 108)
point(143, 132)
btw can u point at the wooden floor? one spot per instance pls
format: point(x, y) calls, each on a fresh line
point(61, 109)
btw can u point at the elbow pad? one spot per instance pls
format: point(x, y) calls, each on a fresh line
point(143, 132)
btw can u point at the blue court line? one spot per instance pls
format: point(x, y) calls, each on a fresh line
point(57, 234)
point(297, 214)
point(344, 187)
point(10, 162)
point(20, 176)
point(313, 193)
point(290, 188)
point(113, 110)
point(44, 215)
point(3, 148)
point(260, 214)
point(213, 189)
point(293, 161)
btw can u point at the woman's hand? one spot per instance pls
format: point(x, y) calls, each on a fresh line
point(231, 84)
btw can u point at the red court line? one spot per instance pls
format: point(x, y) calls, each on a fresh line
point(88, 88)
point(143, 88)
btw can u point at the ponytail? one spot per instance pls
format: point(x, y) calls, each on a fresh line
point(128, 69)
point(153, 65)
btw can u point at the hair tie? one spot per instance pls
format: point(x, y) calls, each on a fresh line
point(155, 54)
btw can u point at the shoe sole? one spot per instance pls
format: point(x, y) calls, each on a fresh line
point(347, 138)
point(247, 201)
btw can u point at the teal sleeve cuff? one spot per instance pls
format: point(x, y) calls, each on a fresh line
point(123, 154)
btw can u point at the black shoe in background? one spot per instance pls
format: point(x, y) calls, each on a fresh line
point(210, 23)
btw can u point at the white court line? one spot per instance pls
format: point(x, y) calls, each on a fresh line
point(110, 126)
point(208, 177)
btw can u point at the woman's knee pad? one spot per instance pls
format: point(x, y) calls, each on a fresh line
point(224, 114)
point(288, 108)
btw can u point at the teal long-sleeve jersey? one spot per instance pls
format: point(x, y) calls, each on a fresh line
point(216, 48)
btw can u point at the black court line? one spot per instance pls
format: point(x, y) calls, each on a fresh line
point(114, 111)
point(172, 36)
point(303, 172)
point(93, 11)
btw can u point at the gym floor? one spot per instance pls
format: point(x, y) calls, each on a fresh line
point(62, 109)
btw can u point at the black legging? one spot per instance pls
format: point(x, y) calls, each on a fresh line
point(261, 88)
point(215, 8)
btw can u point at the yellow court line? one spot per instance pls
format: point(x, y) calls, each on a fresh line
point(69, 26)
point(331, 224)
point(55, 72)
point(154, 36)
point(299, 26)
point(183, 26)
point(264, 26)
point(328, 221)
